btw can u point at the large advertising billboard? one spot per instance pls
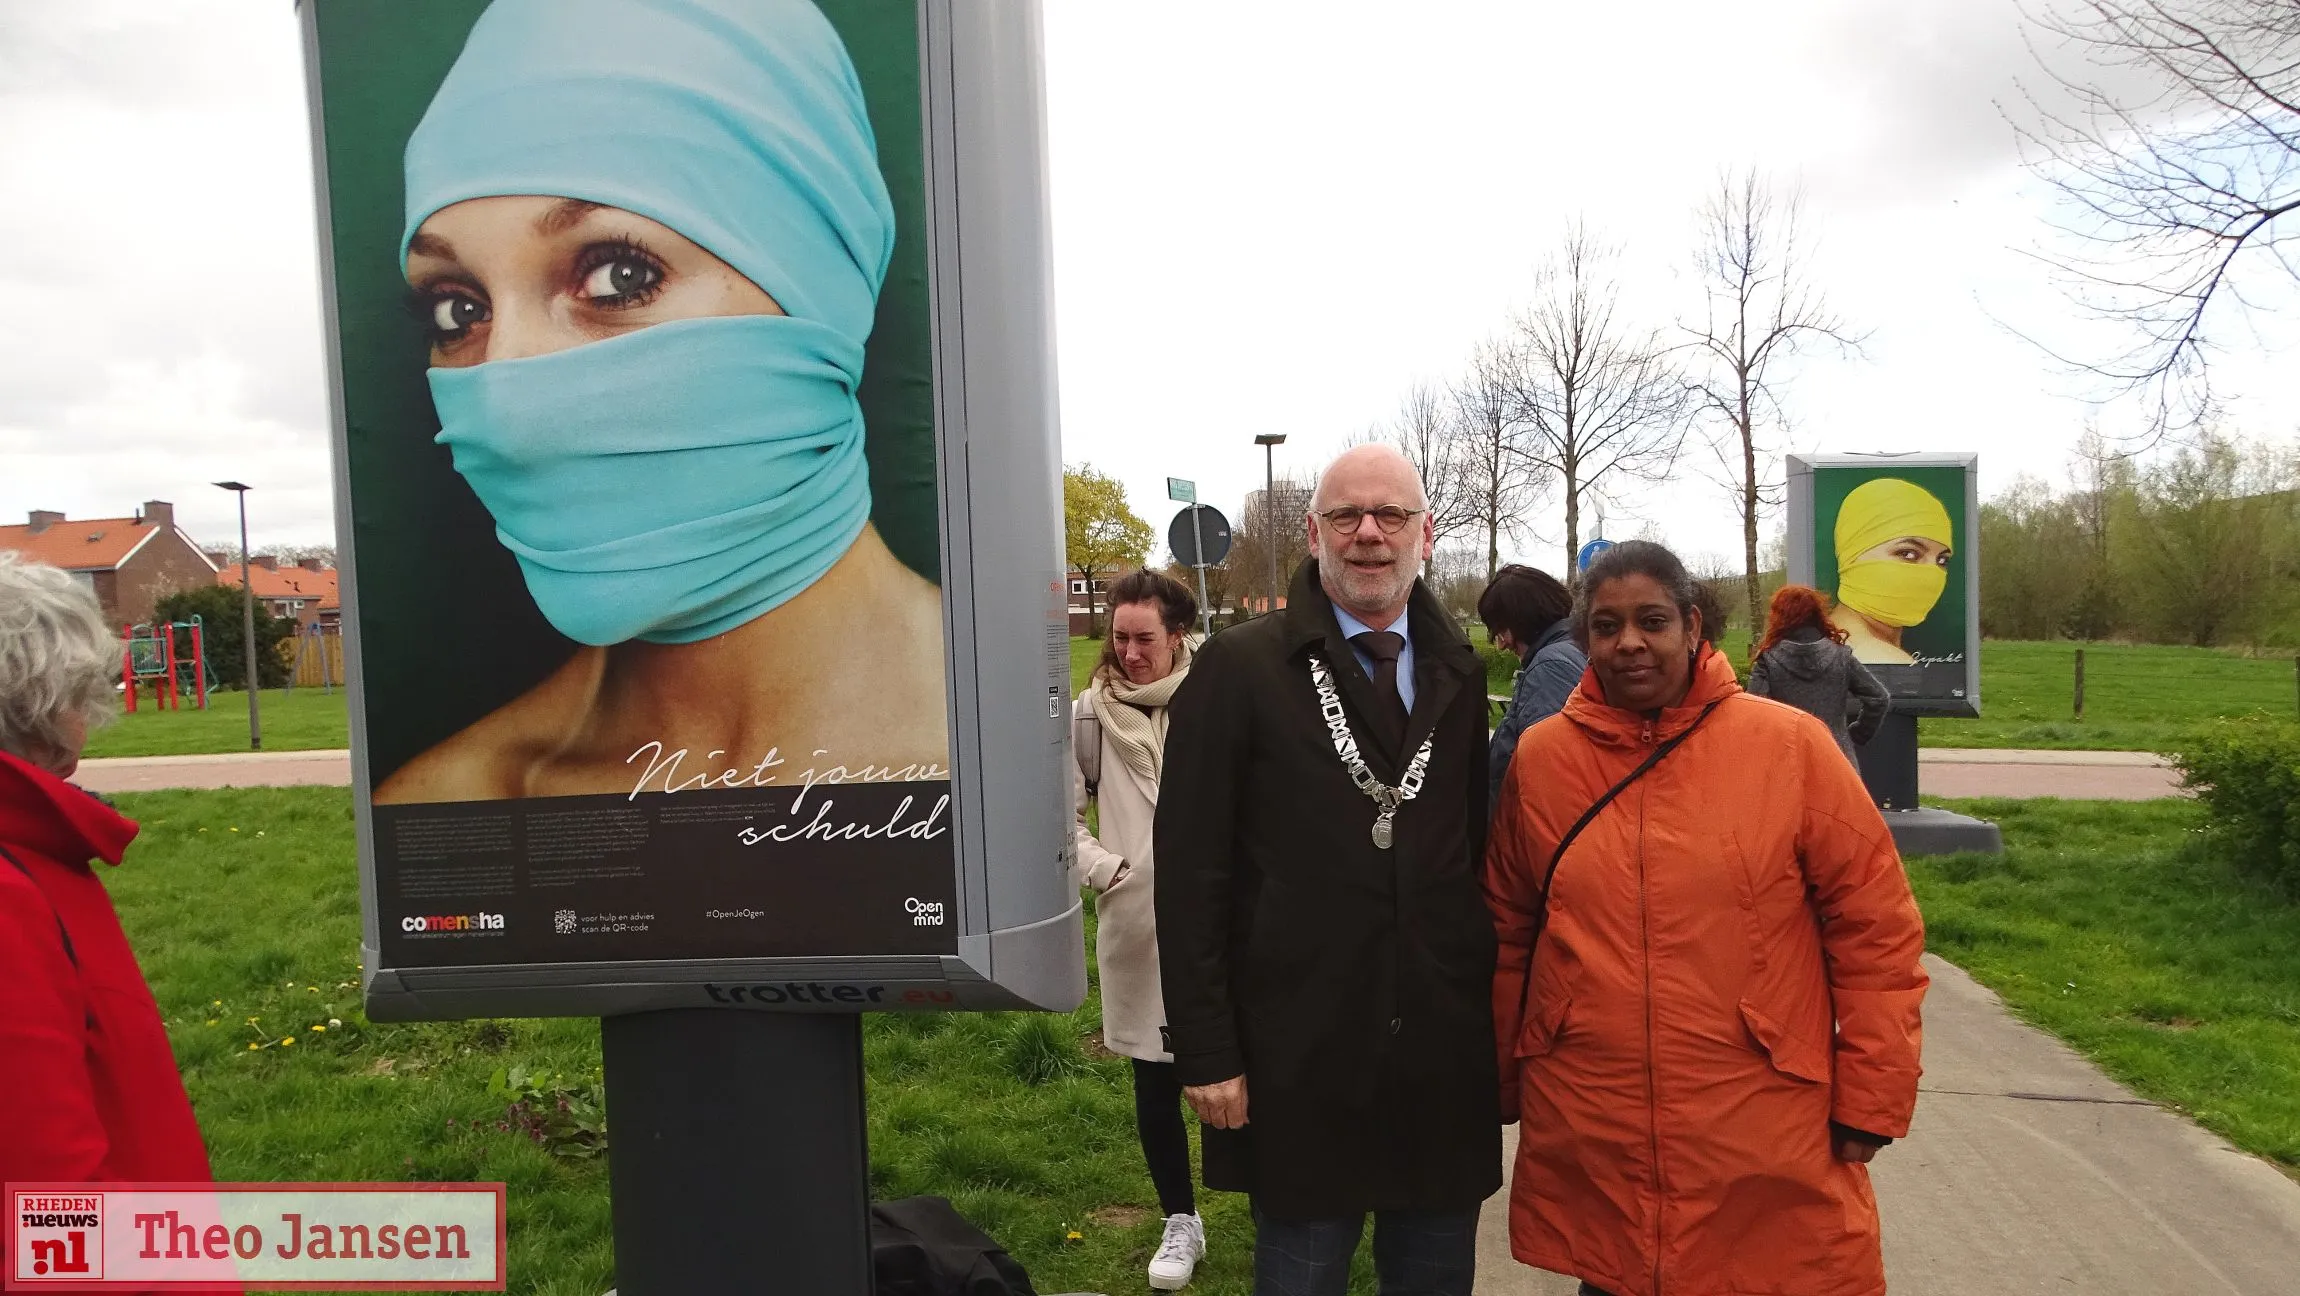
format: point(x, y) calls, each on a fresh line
point(1893, 540)
point(644, 423)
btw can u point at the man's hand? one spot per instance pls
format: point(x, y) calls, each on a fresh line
point(1220, 1106)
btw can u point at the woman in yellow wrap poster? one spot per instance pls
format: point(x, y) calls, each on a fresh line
point(1890, 544)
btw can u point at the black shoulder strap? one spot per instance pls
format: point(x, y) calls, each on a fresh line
point(61, 931)
point(1557, 857)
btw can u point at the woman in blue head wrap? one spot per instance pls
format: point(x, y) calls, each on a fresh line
point(647, 238)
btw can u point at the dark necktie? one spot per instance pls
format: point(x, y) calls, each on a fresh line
point(1384, 646)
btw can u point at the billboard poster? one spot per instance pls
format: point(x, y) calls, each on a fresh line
point(1891, 539)
point(638, 442)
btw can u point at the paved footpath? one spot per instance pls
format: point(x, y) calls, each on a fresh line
point(1948, 772)
point(2077, 775)
point(228, 769)
point(2030, 1172)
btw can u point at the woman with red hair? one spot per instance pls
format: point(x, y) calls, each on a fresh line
point(1804, 662)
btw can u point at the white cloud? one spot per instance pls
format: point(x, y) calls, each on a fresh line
point(1270, 217)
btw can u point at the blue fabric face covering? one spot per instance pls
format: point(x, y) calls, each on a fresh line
point(672, 483)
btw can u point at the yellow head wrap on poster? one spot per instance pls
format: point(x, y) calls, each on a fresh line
point(1889, 590)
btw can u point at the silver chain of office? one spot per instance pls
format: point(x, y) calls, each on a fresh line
point(1386, 799)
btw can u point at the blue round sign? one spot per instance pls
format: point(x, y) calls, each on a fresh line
point(1590, 551)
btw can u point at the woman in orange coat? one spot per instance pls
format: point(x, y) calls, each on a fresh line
point(1720, 1027)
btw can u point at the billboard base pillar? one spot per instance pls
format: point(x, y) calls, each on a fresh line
point(1889, 769)
point(737, 1152)
point(1934, 831)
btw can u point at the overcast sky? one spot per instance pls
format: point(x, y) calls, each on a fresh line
point(1269, 217)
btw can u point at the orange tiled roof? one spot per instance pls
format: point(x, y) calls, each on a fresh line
point(288, 583)
point(88, 544)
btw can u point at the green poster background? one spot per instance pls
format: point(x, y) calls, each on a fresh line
point(1942, 633)
point(447, 630)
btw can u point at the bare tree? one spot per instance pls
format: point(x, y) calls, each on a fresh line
point(1597, 398)
point(1428, 431)
point(1498, 482)
point(2176, 134)
point(1759, 311)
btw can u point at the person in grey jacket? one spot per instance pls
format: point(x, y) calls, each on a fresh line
point(1804, 662)
point(1529, 612)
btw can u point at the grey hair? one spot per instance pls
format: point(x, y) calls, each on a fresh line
point(1657, 563)
point(56, 656)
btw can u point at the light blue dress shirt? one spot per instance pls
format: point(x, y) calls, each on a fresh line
point(1352, 627)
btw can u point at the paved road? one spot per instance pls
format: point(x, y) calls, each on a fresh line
point(230, 769)
point(2030, 1172)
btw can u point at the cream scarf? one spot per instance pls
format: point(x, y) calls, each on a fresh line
point(1134, 716)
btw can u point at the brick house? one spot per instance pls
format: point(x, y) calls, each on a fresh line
point(129, 562)
point(305, 592)
point(1081, 619)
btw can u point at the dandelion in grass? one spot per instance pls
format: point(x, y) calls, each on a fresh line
point(212, 1021)
point(287, 1041)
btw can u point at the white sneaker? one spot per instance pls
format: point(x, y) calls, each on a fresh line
point(1179, 1253)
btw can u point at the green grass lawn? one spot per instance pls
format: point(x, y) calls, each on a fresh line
point(2112, 925)
point(303, 719)
point(2137, 697)
point(1015, 1117)
point(2109, 924)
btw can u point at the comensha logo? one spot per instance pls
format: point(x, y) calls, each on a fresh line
point(452, 922)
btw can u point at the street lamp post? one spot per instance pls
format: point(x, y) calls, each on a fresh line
point(1269, 441)
point(248, 608)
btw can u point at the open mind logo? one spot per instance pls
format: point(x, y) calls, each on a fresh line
point(923, 913)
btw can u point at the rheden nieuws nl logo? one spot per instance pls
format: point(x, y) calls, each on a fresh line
point(60, 1235)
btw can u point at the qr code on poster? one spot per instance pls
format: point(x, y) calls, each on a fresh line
point(563, 922)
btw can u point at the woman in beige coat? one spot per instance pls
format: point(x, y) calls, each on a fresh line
point(1119, 728)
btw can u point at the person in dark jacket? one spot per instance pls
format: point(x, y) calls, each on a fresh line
point(88, 1084)
point(1804, 662)
point(1325, 955)
point(1530, 613)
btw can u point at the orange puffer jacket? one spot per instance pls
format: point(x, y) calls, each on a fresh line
point(1730, 963)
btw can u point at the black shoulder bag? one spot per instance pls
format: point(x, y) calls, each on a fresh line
point(1549, 879)
point(63, 933)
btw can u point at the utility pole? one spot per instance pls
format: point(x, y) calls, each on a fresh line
point(1269, 441)
point(248, 608)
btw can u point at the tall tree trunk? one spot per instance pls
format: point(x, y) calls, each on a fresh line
point(1572, 529)
point(1493, 519)
point(1749, 523)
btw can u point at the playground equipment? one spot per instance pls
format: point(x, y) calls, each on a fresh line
point(148, 656)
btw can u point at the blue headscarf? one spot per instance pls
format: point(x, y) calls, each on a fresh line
point(738, 123)
point(674, 482)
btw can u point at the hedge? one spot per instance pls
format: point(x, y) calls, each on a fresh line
point(2247, 774)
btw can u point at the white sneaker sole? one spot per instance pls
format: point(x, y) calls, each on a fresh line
point(1158, 1283)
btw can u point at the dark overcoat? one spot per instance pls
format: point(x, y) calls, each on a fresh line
point(1350, 985)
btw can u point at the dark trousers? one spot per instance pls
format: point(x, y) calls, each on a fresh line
point(1165, 1143)
point(1416, 1253)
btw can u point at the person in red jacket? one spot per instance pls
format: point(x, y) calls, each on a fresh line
point(88, 1084)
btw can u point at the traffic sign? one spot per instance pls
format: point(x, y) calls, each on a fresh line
point(1201, 528)
point(1589, 553)
point(1178, 488)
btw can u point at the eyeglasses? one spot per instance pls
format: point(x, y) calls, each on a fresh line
point(1389, 517)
